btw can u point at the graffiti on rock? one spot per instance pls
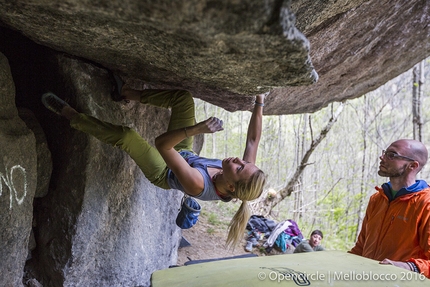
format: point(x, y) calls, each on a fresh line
point(15, 181)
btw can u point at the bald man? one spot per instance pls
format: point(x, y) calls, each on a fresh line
point(396, 227)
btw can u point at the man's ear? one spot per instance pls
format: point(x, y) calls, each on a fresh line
point(414, 165)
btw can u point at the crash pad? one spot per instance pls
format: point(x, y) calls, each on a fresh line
point(324, 268)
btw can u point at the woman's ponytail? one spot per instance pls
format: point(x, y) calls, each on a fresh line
point(245, 191)
point(238, 225)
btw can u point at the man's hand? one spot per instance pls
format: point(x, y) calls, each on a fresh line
point(400, 264)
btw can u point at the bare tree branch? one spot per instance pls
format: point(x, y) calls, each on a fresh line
point(267, 203)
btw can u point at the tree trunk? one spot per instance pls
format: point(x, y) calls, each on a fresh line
point(298, 189)
point(418, 81)
point(280, 148)
point(363, 166)
point(226, 134)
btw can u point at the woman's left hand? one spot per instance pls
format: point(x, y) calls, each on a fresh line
point(211, 125)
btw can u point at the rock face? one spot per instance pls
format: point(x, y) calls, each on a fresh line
point(44, 160)
point(217, 49)
point(101, 223)
point(97, 221)
point(356, 46)
point(18, 170)
point(226, 51)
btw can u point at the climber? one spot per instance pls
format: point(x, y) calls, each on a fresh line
point(173, 164)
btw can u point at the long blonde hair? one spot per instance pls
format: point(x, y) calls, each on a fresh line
point(246, 191)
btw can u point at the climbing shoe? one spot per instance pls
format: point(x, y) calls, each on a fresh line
point(189, 213)
point(53, 103)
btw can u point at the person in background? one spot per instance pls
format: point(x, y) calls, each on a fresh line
point(313, 244)
point(172, 164)
point(396, 226)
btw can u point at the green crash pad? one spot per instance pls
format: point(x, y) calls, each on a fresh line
point(325, 268)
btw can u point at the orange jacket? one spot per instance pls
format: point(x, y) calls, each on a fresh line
point(398, 230)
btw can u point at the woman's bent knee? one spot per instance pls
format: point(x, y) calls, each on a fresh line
point(127, 137)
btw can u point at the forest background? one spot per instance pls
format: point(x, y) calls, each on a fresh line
point(332, 192)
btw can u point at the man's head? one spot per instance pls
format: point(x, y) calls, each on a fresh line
point(402, 158)
point(316, 237)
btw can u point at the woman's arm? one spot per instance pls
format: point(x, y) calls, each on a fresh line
point(190, 178)
point(254, 130)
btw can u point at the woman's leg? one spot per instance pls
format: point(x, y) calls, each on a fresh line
point(180, 101)
point(146, 157)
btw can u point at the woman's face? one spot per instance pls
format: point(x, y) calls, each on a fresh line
point(235, 169)
point(315, 240)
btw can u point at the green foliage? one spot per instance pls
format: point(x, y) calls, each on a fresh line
point(213, 219)
point(210, 230)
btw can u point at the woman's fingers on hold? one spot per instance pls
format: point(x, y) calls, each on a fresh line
point(214, 124)
point(218, 124)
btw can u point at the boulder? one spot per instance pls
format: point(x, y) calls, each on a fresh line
point(18, 178)
point(102, 223)
point(226, 51)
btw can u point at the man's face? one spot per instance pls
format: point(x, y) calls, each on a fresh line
point(392, 163)
point(315, 240)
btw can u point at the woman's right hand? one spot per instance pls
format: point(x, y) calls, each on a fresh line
point(260, 98)
point(211, 125)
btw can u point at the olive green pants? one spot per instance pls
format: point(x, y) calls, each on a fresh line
point(146, 157)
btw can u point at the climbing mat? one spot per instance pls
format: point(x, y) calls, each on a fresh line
point(324, 268)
